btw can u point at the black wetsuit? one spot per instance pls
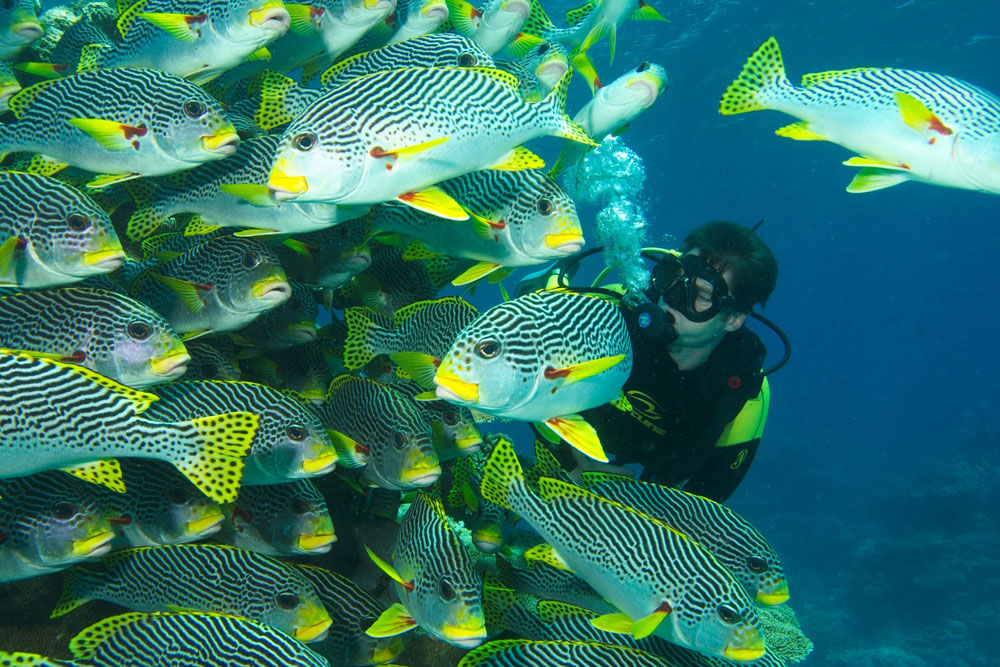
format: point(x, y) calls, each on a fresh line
point(676, 416)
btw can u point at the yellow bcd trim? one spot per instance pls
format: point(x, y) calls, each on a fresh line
point(749, 423)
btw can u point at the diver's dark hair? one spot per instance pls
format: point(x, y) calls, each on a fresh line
point(728, 246)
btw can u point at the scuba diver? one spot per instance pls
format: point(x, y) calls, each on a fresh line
point(694, 406)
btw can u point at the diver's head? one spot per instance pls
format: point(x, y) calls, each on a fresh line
point(709, 288)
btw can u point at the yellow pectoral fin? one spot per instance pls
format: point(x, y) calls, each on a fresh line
point(861, 161)
point(185, 27)
point(187, 292)
point(7, 252)
point(871, 179)
point(480, 270)
point(647, 13)
point(435, 201)
point(302, 19)
point(647, 626)
point(104, 180)
point(420, 366)
point(916, 115)
point(410, 151)
point(111, 134)
point(517, 160)
point(394, 621)
point(258, 195)
point(620, 624)
point(388, 569)
point(584, 370)
point(575, 430)
point(260, 54)
point(800, 132)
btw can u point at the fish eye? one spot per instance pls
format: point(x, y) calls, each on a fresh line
point(287, 600)
point(642, 68)
point(467, 60)
point(139, 330)
point(446, 591)
point(296, 432)
point(194, 108)
point(77, 222)
point(728, 614)
point(178, 495)
point(398, 441)
point(543, 48)
point(545, 206)
point(63, 510)
point(450, 418)
point(756, 565)
point(298, 506)
point(251, 259)
point(305, 141)
point(488, 349)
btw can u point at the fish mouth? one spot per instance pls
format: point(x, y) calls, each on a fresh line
point(95, 545)
point(171, 366)
point(487, 539)
point(452, 388)
point(465, 637)
point(359, 261)
point(777, 597)
point(302, 332)
point(28, 30)
point(313, 633)
point(652, 84)
point(519, 7)
point(6, 92)
point(224, 142)
point(387, 653)
point(206, 525)
point(421, 476)
point(438, 11)
point(106, 260)
point(319, 465)
point(284, 185)
point(317, 542)
point(748, 654)
point(271, 16)
point(274, 290)
point(552, 69)
point(469, 444)
point(565, 243)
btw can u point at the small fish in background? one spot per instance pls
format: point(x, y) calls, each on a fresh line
point(491, 525)
point(290, 442)
point(61, 52)
point(373, 426)
point(9, 85)
point(509, 652)
point(280, 520)
point(106, 332)
point(539, 70)
point(57, 415)
point(217, 286)
point(613, 107)
point(516, 218)
point(438, 588)
point(327, 258)
point(120, 123)
point(213, 358)
point(904, 125)
point(416, 18)
point(304, 371)
point(541, 357)
point(192, 640)
point(470, 118)
point(198, 47)
point(391, 282)
point(492, 26)
point(201, 577)
point(48, 522)
point(425, 327)
point(660, 581)
point(19, 27)
point(453, 428)
point(291, 324)
point(353, 610)
point(228, 193)
point(52, 234)
point(159, 506)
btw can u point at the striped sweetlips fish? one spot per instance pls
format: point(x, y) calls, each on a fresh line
point(493, 25)
point(106, 332)
point(19, 27)
point(332, 26)
point(517, 218)
point(660, 580)
point(57, 415)
point(201, 577)
point(290, 324)
point(439, 589)
point(452, 427)
point(392, 135)
point(724, 533)
point(48, 522)
point(418, 18)
point(511, 652)
point(195, 39)
point(9, 85)
point(189, 639)
point(353, 610)
point(281, 520)
point(541, 357)
point(52, 234)
point(904, 125)
point(290, 442)
point(121, 122)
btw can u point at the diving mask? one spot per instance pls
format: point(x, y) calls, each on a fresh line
point(675, 280)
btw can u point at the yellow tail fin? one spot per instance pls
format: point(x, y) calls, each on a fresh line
point(762, 73)
point(219, 444)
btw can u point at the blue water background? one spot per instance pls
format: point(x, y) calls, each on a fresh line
point(877, 479)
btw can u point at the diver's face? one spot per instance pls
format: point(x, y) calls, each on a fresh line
point(700, 334)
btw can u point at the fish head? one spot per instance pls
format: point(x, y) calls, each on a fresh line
point(187, 514)
point(252, 23)
point(548, 61)
point(344, 253)
point(627, 96)
point(505, 16)
point(74, 237)
point(404, 454)
point(758, 568)
point(493, 528)
point(542, 221)
point(19, 26)
point(313, 162)
point(365, 650)
point(163, 506)
point(190, 125)
point(292, 518)
point(290, 324)
point(429, 13)
point(138, 347)
point(9, 86)
point(354, 15)
point(458, 429)
point(977, 158)
point(251, 279)
point(296, 610)
point(723, 624)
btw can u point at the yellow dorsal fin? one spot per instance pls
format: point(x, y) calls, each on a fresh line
point(498, 75)
point(85, 644)
point(20, 102)
point(474, 273)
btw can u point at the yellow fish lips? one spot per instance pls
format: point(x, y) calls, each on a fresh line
point(272, 288)
point(170, 365)
point(388, 651)
point(487, 538)
point(223, 141)
point(451, 387)
point(567, 242)
point(285, 184)
point(469, 443)
point(95, 545)
point(317, 542)
point(467, 635)
point(207, 524)
point(315, 632)
point(320, 464)
point(109, 259)
point(753, 650)
point(423, 475)
point(271, 14)
point(777, 596)
point(651, 82)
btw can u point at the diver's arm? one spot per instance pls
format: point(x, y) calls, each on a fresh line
point(723, 471)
